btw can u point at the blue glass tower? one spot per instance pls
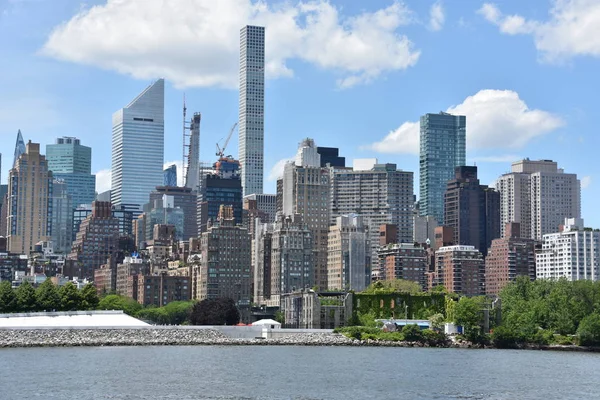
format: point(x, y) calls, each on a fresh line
point(170, 176)
point(19, 148)
point(71, 162)
point(442, 149)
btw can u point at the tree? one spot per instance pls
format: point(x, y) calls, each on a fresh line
point(394, 286)
point(437, 322)
point(89, 297)
point(47, 297)
point(117, 302)
point(26, 300)
point(589, 330)
point(8, 298)
point(221, 311)
point(468, 314)
point(70, 298)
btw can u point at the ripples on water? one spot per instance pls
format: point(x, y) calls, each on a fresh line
point(299, 373)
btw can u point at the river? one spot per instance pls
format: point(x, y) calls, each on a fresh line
point(304, 373)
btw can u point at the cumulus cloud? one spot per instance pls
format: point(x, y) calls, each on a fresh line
point(586, 181)
point(196, 42)
point(496, 119)
point(573, 28)
point(103, 180)
point(436, 17)
point(277, 170)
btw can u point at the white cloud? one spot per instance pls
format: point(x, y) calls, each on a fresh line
point(496, 119)
point(277, 170)
point(586, 181)
point(103, 180)
point(436, 16)
point(573, 28)
point(196, 42)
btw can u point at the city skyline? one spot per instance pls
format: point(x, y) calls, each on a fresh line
point(548, 115)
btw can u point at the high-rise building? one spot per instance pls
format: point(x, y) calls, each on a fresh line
point(539, 196)
point(265, 203)
point(460, 269)
point(97, 239)
point(472, 210)
point(184, 198)
point(170, 175)
point(19, 148)
point(381, 194)
point(307, 154)
point(331, 156)
point(62, 217)
point(306, 190)
point(507, 258)
point(220, 187)
point(192, 169)
point(261, 263)
point(138, 147)
point(225, 263)
point(292, 257)
point(251, 128)
point(573, 254)
point(29, 212)
point(71, 162)
point(442, 148)
point(348, 254)
point(424, 229)
point(164, 212)
point(403, 261)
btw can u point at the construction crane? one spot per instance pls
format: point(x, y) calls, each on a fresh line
point(221, 151)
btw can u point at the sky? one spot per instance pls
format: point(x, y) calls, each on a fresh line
point(350, 74)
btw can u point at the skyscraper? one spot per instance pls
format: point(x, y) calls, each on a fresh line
point(138, 147)
point(193, 157)
point(29, 216)
point(472, 210)
point(442, 148)
point(62, 217)
point(251, 129)
point(19, 148)
point(348, 254)
point(170, 176)
point(539, 196)
point(71, 162)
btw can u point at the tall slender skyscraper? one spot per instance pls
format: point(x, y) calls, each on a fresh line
point(71, 162)
point(19, 148)
point(252, 108)
point(192, 171)
point(442, 148)
point(138, 143)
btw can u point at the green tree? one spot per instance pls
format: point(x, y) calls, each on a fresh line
point(222, 311)
point(8, 298)
point(394, 286)
point(589, 330)
point(70, 298)
point(89, 297)
point(47, 297)
point(468, 313)
point(26, 301)
point(117, 302)
point(437, 322)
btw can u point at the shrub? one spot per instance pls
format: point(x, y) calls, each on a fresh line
point(412, 333)
point(589, 330)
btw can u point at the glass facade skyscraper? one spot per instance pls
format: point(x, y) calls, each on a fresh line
point(138, 142)
point(251, 127)
point(170, 176)
point(71, 162)
point(442, 149)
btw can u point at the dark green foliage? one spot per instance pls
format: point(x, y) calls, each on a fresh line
point(116, 302)
point(222, 311)
point(174, 313)
point(412, 333)
point(394, 286)
point(70, 298)
point(26, 300)
point(589, 330)
point(468, 313)
point(89, 297)
point(396, 305)
point(8, 298)
point(47, 297)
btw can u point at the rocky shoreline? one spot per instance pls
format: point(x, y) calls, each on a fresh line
point(204, 337)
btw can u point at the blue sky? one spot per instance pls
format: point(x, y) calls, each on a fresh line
point(351, 74)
